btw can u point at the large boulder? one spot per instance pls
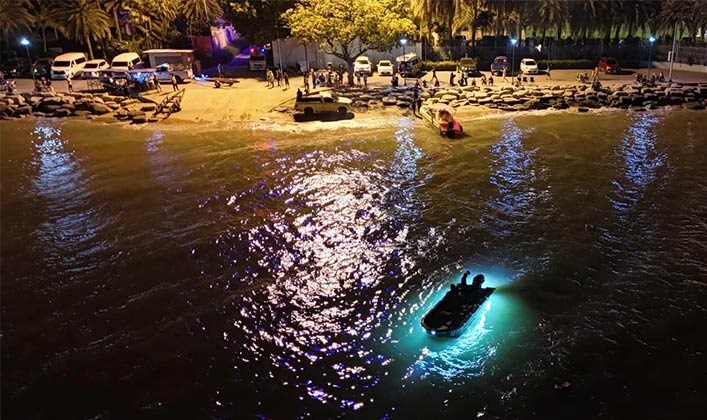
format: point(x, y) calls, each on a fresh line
point(98, 108)
point(389, 100)
point(48, 108)
point(51, 100)
point(23, 110)
point(587, 103)
point(62, 112)
point(693, 105)
point(139, 119)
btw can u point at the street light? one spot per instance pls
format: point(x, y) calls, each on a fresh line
point(651, 40)
point(513, 53)
point(404, 41)
point(25, 42)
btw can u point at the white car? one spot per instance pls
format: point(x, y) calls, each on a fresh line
point(165, 71)
point(528, 66)
point(385, 68)
point(362, 65)
point(90, 69)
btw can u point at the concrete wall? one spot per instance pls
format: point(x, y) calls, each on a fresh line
point(679, 66)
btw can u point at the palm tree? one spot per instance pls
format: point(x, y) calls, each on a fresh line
point(551, 14)
point(13, 16)
point(200, 11)
point(45, 17)
point(113, 7)
point(436, 12)
point(84, 20)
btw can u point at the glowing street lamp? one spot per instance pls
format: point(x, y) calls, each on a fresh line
point(25, 43)
point(651, 40)
point(513, 53)
point(404, 41)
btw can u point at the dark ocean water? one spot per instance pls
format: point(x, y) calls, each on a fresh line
point(265, 274)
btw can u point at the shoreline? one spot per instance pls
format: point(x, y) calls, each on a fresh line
point(250, 105)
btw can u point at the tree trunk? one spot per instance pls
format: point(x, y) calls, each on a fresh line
point(44, 38)
point(90, 49)
point(118, 32)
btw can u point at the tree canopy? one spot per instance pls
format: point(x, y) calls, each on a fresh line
point(257, 20)
point(348, 29)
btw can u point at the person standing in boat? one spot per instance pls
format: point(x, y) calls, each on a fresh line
point(477, 281)
point(464, 276)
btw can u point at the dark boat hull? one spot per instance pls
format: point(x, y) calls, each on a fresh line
point(449, 316)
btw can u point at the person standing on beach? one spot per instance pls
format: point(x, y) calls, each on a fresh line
point(548, 72)
point(220, 70)
point(175, 86)
point(156, 82)
point(69, 83)
point(434, 75)
point(504, 74)
point(286, 78)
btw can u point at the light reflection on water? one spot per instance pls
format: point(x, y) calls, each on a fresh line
point(72, 237)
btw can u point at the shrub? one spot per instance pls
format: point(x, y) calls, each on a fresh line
point(439, 65)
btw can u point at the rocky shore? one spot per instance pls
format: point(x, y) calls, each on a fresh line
point(239, 104)
point(75, 104)
point(529, 97)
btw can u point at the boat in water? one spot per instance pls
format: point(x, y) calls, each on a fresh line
point(441, 118)
point(450, 315)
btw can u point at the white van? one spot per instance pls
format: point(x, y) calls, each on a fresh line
point(67, 65)
point(126, 61)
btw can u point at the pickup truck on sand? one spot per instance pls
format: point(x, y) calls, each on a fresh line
point(323, 102)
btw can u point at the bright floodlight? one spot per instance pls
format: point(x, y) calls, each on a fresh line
point(514, 41)
point(651, 39)
point(403, 41)
point(24, 41)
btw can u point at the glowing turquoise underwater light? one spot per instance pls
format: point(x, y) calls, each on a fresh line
point(493, 332)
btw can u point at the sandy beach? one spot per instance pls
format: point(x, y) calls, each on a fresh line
point(251, 101)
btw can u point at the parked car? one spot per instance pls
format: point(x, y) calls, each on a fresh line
point(42, 67)
point(362, 66)
point(66, 65)
point(467, 66)
point(409, 65)
point(165, 71)
point(499, 63)
point(323, 102)
point(385, 68)
point(528, 66)
point(609, 65)
point(126, 61)
point(90, 69)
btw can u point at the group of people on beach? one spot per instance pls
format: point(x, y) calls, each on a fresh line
point(278, 76)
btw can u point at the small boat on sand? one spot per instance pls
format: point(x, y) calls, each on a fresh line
point(442, 119)
point(450, 315)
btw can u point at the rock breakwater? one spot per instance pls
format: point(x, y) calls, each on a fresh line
point(75, 104)
point(532, 97)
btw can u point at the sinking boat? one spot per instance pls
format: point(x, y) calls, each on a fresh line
point(441, 119)
point(451, 314)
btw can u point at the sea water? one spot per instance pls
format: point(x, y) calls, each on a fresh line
point(172, 273)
